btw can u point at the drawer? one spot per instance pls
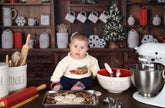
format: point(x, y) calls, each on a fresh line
point(130, 57)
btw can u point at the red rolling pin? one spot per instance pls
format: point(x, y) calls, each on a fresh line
point(20, 96)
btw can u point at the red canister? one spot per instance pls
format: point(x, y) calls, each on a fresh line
point(18, 40)
point(143, 16)
point(12, 1)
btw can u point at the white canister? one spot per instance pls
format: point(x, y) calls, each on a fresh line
point(62, 40)
point(133, 38)
point(17, 78)
point(7, 39)
point(44, 40)
point(156, 20)
point(131, 20)
point(3, 79)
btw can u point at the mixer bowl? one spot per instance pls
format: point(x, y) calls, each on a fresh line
point(149, 82)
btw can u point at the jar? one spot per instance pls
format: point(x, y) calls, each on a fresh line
point(131, 20)
point(156, 20)
point(7, 39)
point(133, 38)
point(44, 40)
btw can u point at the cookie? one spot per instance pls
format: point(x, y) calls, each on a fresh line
point(66, 101)
point(70, 96)
point(78, 99)
point(59, 98)
point(98, 93)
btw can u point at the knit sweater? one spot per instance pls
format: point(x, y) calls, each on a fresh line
point(75, 69)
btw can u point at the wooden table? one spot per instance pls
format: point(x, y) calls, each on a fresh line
point(124, 97)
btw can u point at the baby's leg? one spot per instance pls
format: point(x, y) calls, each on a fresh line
point(83, 83)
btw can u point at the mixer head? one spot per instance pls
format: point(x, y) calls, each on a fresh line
point(150, 53)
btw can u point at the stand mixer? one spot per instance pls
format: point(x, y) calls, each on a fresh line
point(148, 76)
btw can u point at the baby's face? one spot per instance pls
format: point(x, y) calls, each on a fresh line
point(78, 49)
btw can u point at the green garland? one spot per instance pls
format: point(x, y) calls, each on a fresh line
point(89, 1)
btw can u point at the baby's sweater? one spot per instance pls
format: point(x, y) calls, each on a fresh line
point(75, 69)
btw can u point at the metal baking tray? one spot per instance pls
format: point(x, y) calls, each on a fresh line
point(94, 105)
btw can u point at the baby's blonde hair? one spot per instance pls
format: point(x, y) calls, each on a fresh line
point(80, 37)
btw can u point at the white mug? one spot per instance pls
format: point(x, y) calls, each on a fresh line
point(93, 16)
point(32, 21)
point(82, 16)
point(70, 16)
point(104, 16)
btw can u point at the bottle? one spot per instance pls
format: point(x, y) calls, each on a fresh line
point(7, 39)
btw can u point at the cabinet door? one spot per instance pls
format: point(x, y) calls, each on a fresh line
point(114, 59)
point(130, 58)
point(40, 65)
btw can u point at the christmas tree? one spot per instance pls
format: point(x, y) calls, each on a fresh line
point(113, 29)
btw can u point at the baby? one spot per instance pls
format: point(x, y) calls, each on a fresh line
point(75, 70)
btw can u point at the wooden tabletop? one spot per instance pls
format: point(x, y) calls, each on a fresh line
point(124, 97)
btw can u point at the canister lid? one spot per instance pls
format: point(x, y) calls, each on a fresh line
point(3, 65)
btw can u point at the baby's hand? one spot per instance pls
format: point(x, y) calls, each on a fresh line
point(56, 87)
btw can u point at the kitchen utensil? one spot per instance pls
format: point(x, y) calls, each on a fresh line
point(108, 68)
point(25, 50)
point(148, 77)
point(7, 59)
point(114, 84)
point(118, 73)
point(148, 82)
point(26, 101)
point(20, 96)
point(16, 56)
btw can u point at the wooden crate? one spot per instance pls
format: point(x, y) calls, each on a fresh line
point(33, 1)
point(139, 1)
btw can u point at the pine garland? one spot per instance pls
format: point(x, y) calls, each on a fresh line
point(113, 29)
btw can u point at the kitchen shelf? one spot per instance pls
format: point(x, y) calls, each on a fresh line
point(30, 27)
point(136, 26)
point(25, 4)
point(149, 3)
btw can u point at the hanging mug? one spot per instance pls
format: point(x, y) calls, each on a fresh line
point(104, 16)
point(7, 16)
point(82, 16)
point(70, 16)
point(93, 16)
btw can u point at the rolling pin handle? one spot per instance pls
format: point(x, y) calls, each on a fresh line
point(2, 104)
point(41, 87)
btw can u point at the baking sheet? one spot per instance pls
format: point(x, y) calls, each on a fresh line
point(95, 104)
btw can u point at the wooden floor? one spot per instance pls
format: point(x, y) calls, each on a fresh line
point(125, 97)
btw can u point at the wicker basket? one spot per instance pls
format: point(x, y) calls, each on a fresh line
point(139, 1)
